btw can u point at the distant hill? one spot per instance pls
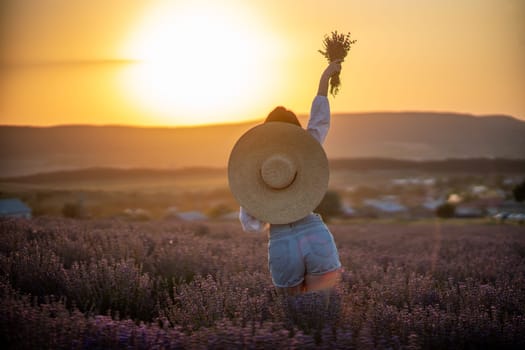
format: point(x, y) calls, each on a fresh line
point(116, 174)
point(410, 136)
point(470, 166)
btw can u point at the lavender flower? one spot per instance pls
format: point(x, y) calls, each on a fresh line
point(336, 47)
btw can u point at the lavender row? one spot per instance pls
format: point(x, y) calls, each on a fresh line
point(111, 284)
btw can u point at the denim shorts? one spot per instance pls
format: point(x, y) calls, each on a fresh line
point(305, 247)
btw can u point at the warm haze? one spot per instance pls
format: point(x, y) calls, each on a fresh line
point(199, 62)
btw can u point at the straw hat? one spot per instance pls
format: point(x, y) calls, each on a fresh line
point(278, 172)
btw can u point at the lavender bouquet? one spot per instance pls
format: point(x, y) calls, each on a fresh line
point(336, 47)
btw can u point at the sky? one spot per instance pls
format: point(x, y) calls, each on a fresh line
point(178, 63)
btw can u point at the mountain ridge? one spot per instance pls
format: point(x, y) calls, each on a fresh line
point(400, 135)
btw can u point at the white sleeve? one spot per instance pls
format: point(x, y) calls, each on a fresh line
point(251, 224)
point(319, 122)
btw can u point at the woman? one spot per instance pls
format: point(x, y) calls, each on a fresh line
point(302, 255)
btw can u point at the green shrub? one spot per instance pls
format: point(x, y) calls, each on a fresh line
point(446, 210)
point(330, 206)
point(519, 192)
point(73, 210)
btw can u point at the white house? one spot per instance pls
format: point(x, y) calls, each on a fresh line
point(14, 207)
point(388, 204)
point(432, 203)
point(192, 216)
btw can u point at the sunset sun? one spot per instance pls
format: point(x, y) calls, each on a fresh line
point(198, 65)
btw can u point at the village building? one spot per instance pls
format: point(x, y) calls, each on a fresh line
point(192, 216)
point(174, 214)
point(14, 207)
point(387, 206)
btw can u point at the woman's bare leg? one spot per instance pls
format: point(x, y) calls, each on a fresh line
point(325, 281)
point(292, 290)
point(312, 283)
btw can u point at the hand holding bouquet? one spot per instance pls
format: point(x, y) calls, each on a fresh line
point(336, 47)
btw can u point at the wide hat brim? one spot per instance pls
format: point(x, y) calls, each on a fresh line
point(256, 166)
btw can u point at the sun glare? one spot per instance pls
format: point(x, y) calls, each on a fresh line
point(199, 65)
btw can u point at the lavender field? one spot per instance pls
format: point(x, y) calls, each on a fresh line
point(107, 284)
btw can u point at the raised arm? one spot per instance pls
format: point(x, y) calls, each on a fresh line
point(319, 121)
point(332, 68)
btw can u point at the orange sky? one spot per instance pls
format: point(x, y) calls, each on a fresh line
point(194, 62)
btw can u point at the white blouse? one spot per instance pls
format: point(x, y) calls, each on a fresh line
point(318, 126)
